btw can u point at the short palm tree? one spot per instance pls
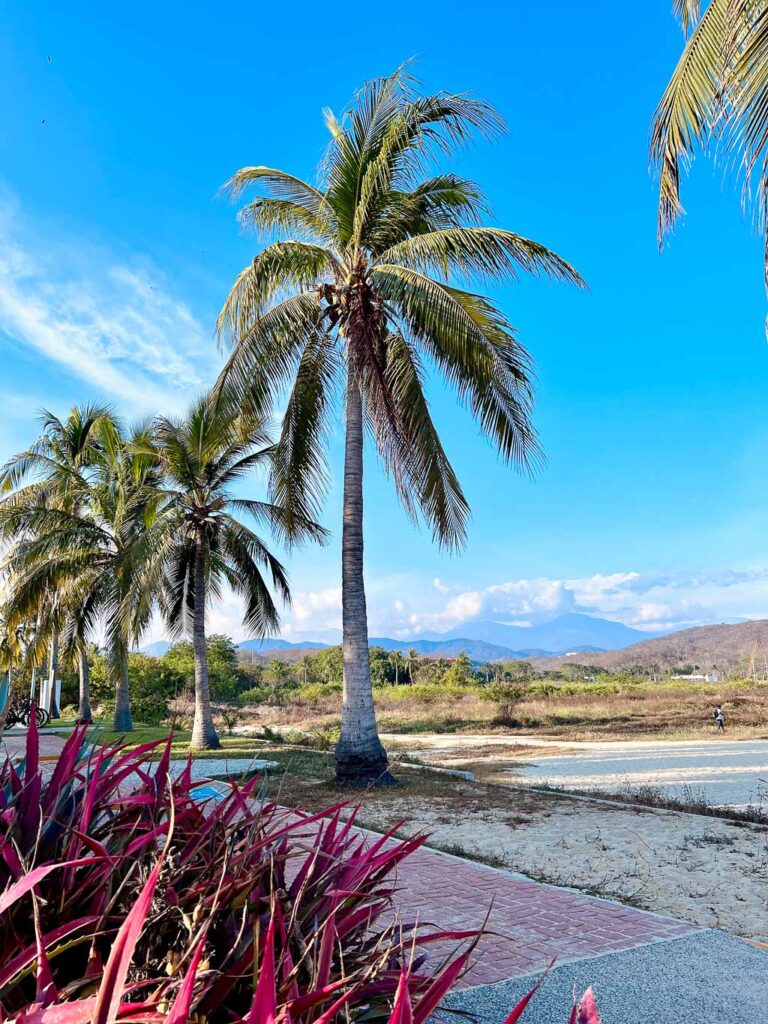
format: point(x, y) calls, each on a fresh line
point(357, 293)
point(201, 544)
point(716, 99)
point(76, 564)
point(304, 667)
point(51, 473)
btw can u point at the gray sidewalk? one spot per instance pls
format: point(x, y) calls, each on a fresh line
point(709, 976)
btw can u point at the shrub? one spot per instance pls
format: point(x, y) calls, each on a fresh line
point(257, 695)
point(124, 897)
point(86, 838)
point(506, 697)
point(314, 694)
point(277, 995)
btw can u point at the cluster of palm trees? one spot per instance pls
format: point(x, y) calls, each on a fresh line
point(357, 297)
point(107, 526)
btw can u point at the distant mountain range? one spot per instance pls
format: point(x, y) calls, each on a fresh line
point(279, 645)
point(564, 633)
point(156, 649)
point(482, 641)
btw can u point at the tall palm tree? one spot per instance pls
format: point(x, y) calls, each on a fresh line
point(715, 100)
point(355, 295)
point(201, 542)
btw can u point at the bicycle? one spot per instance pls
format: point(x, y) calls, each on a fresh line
point(20, 713)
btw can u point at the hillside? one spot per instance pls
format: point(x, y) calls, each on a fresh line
point(724, 647)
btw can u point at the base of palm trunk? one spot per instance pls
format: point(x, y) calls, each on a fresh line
point(122, 723)
point(205, 739)
point(362, 771)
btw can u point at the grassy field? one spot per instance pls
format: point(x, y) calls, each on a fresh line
point(606, 710)
point(232, 746)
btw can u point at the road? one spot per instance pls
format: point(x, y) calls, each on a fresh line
point(724, 771)
point(733, 773)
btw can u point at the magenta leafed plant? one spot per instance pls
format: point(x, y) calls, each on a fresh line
point(124, 897)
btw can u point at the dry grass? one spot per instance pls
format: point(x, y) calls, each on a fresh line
point(647, 711)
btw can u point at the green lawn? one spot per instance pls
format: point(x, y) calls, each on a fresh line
point(232, 746)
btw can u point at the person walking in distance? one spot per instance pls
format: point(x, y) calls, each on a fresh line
point(719, 718)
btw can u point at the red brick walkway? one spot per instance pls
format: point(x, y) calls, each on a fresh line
point(529, 925)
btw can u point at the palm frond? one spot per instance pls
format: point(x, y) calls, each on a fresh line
point(688, 115)
point(476, 348)
point(415, 458)
point(489, 252)
point(266, 353)
point(299, 473)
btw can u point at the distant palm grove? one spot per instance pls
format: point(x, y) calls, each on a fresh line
point(357, 298)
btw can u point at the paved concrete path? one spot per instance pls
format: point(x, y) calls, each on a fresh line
point(14, 743)
point(706, 977)
point(733, 773)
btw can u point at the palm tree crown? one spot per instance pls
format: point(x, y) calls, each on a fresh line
point(363, 287)
point(357, 291)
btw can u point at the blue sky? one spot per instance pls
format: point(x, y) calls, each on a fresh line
point(121, 122)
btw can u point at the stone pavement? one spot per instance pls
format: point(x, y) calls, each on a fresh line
point(14, 741)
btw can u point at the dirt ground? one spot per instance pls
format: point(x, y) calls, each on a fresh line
point(709, 871)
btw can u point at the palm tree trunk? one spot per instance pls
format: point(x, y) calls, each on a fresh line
point(360, 757)
point(84, 711)
point(122, 721)
point(203, 730)
point(5, 706)
point(53, 671)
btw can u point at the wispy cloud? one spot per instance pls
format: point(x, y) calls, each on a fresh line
point(115, 323)
point(405, 606)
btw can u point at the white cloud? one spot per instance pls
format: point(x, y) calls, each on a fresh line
point(321, 608)
point(648, 601)
point(404, 607)
point(113, 322)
